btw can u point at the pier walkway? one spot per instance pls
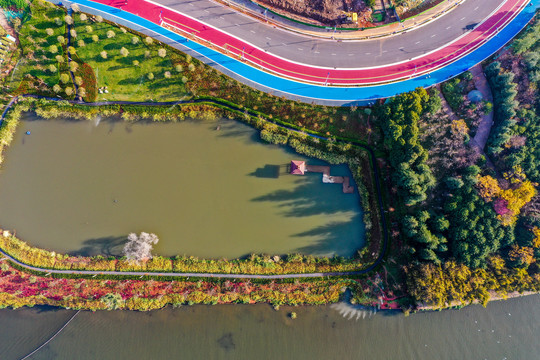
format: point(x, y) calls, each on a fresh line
point(329, 179)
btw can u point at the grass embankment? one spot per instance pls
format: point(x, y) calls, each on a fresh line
point(42, 41)
point(139, 73)
point(131, 67)
point(255, 264)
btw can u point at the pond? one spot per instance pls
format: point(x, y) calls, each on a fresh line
point(82, 186)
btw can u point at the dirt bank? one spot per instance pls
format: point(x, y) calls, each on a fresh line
point(321, 12)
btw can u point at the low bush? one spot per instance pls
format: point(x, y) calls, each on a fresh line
point(20, 288)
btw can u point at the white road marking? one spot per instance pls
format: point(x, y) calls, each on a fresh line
point(351, 55)
point(334, 54)
point(384, 51)
point(317, 52)
point(433, 35)
point(418, 42)
point(476, 8)
point(463, 18)
point(368, 53)
point(267, 38)
point(300, 49)
point(448, 27)
point(252, 31)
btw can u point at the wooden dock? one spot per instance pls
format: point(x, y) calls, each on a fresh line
point(329, 179)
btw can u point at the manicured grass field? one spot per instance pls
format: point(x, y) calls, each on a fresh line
point(134, 69)
point(131, 68)
point(40, 45)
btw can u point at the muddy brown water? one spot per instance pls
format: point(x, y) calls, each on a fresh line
point(82, 186)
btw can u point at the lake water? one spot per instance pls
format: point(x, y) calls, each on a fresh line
point(81, 187)
point(505, 330)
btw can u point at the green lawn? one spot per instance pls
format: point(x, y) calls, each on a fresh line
point(36, 43)
point(139, 73)
point(124, 79)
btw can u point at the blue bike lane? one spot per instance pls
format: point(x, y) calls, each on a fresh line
point(327, 95)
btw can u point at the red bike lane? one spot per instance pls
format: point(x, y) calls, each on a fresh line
point(210, 36)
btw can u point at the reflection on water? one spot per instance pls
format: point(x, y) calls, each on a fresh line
point(350, 311)
point(81, 187)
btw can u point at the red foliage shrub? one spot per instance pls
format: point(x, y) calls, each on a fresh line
point(89, 82)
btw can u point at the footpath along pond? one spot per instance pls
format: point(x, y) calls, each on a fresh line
point(505, 330)
point(82, 186)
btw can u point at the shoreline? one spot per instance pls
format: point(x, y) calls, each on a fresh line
point(494, 296)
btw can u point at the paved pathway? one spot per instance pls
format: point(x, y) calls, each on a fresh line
point(293, 89)
point(318, 51)
point(446, 107)
point(486, 122)
point(255, 56)
point(482, 133)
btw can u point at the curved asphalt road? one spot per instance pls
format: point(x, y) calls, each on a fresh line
point(148, 20)
point(329, 53)
point(291, 68)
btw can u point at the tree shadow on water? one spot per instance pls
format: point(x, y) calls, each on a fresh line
point(106, 246)
point(334, 238)
point(232, 129)
point(306, 200)
point(48, 309)
point(226, 342)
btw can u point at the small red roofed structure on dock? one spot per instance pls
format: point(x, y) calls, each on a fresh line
point(298, 167)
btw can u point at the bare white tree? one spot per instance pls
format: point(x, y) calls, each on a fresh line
point(139, 248)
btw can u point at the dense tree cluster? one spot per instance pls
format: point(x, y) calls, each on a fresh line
point(452, 91)
point(475, 230)
point(454, 284)
point(504, 95)
point(528, 40)
point(527, 153)
point(424, 229)
point(490, 216)
point(523, 147)
point(469, 217)
point(515, 141)
point(412, 175)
